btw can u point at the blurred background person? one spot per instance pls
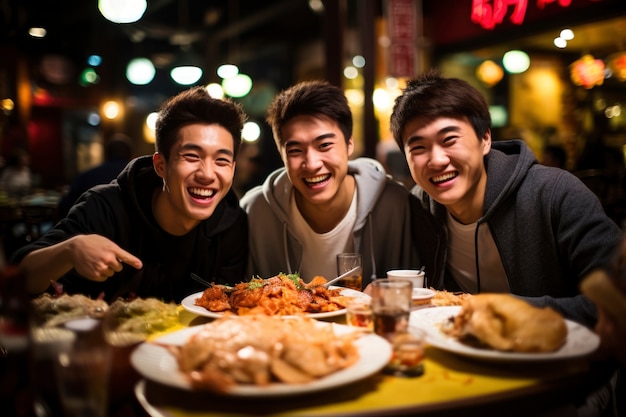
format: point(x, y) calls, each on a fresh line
point(118, 151)
point(16, 177)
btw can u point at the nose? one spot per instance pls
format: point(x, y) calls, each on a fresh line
point(311, 160)
point(438, 157)
point(205, 172)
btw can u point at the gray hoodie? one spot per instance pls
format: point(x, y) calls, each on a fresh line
point(382, 232)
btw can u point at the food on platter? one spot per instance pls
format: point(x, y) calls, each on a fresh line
point(263, 349)
point(281, 295)
point(55, 310)
point(507, 323)
point(132, 321)
point(445, 298)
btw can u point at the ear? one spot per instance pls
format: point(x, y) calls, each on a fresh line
point(350, 146)
point(159, 163)
point(486, 142)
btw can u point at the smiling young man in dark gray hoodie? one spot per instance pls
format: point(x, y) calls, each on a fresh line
point(508, 224)
point(321, 203)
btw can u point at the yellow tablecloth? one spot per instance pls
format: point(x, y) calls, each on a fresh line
point(449, 382)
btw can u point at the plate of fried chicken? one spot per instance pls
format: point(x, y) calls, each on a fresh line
point(501, 327)
point(282, 295)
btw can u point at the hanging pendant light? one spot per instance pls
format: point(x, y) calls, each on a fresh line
point(122, 11)
point(187, 68)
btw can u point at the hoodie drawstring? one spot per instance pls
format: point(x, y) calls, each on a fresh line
point(371, 232)
point(285, 250)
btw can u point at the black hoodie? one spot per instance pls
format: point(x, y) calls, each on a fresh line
point(121, 211)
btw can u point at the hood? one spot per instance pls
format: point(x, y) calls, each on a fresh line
point(370, 180)
point(502, 181)
point(138, 180)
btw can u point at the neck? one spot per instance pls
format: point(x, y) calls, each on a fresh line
point(166, 217)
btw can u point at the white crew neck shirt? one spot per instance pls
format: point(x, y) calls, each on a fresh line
point(319, 250)
point(462, 258)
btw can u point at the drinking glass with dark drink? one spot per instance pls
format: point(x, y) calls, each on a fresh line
point(347, 262)
point(391, 306)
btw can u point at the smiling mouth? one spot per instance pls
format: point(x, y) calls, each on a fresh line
point(201, 192)
point(317, 179)
point(445, 177)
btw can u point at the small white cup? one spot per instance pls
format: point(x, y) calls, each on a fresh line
point(414, 275)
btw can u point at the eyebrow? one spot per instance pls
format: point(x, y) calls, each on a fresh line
point(317, 139)
point(194, 147)
point(441, 131)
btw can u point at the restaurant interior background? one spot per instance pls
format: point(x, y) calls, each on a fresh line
point(63, 95)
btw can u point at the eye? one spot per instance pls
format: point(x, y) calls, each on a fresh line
point(450, 140)
point(293, 151)
point(326, 145)
point(223, 161)
point(191, 157)
point(417, 149)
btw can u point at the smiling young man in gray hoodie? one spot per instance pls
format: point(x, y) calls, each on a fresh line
point(321, 203)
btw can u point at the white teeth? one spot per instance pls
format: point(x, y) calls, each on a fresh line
point(319, 178)
point(202, 192)
point(444, 177)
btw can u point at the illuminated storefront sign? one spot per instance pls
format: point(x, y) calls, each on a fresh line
point(402, 33)
point(489, 13)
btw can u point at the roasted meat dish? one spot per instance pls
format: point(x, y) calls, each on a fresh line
point(507, 323)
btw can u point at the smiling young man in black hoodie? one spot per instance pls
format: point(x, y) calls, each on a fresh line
point(166, 215)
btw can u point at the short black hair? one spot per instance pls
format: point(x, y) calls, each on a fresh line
point(431, 96)
point(192, 106)
point(312, 98)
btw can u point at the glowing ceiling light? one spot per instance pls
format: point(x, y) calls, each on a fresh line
point(358, 61)
point(215, 90)
point(227, 71)
point(186, 75)
point(187, 67)
point(37, 32)
point(489, 73)
point(567, 34)
point(111, 110)
point(140, 71)
point(237, 86)
point(350, 72)
point(516, 62)
point(251, 132)
point(560, 42)
point(122, 11)
point(94, 60)
point(381, 99)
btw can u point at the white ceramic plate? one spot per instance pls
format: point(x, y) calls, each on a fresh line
point(157, 364)
point(421, 295)
point(580, 340)
point(189, 304)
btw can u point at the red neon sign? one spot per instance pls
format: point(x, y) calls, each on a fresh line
point(489, 13)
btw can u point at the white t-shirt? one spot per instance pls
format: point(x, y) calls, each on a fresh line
point(462, 262)
point(320, 249)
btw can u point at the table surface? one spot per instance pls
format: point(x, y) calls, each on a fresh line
point(450, 383)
